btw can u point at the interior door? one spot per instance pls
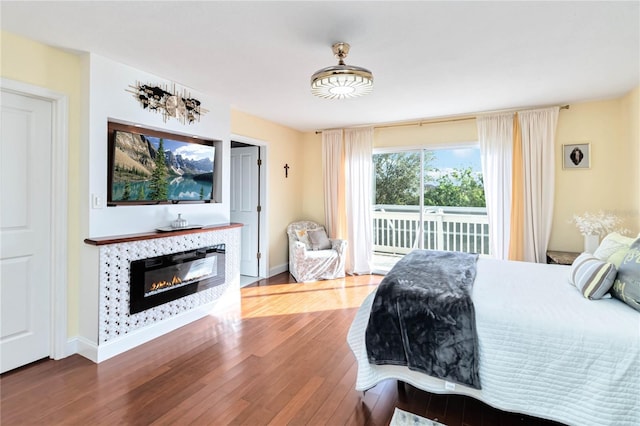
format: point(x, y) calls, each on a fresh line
point(25, 230)
point(244, 205)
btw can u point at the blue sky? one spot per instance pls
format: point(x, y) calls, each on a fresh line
point(192, 151)
point(447, 159)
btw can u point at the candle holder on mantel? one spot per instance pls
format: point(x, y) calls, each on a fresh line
point(179, 222)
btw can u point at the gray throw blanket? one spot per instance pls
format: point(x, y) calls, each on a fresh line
point(423, 317)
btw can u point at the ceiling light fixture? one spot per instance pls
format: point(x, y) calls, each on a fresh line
point(341, 81)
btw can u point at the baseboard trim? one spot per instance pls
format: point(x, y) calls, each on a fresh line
point(86, 348)
point(278, 269)
point(102, 352)
point(70, 347)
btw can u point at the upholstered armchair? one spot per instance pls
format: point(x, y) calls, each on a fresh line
point(312, 255)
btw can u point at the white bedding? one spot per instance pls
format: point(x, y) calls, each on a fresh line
point(544, 349)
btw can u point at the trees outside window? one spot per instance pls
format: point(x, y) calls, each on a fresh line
point(397, 177)
point(445, 183)
point(460, 188)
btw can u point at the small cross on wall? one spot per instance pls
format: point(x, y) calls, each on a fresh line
point(286, 170)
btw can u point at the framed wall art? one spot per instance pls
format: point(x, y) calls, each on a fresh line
point(576, 156)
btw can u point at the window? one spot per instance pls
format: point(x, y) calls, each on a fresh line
point(431, 199)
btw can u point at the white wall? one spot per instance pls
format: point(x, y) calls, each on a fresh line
point(105, 97)
point(109, 100)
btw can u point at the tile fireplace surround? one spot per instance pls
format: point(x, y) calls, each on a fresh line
point(118, 330)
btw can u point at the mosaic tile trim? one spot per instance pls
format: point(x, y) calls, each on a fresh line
point(114, 318)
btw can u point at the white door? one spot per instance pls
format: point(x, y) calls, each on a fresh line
point(244, 205)
point(25, 230)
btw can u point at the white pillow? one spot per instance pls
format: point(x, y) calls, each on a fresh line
point(611, 244)
point(592, 276)
point(319, 239)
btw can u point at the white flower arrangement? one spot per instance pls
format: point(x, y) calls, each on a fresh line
point(600, 224)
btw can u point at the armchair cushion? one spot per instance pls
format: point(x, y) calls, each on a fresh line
point(303, 237)
point(312, 255)
point(319, 239)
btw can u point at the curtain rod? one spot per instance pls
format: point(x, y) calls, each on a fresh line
point(442, 120)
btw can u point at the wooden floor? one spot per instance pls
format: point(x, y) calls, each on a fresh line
point(280, 359)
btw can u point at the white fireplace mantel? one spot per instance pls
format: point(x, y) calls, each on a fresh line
point(118, 330)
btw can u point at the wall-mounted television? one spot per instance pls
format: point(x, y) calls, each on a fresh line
point(148, 166)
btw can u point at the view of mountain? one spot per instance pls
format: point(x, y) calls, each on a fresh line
point(186, 174)
point(186, 166)
point(135, 158)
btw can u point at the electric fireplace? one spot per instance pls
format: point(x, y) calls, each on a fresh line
point(158, 280)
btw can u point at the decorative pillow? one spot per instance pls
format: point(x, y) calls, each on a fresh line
point(303, 237)
point(627, 284)
point(617, 257)
point(319, 239)
point(592, 276)
point(611, 244)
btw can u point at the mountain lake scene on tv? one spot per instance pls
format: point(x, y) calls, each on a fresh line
point(183, 173)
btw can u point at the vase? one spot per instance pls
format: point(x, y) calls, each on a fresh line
point(591, 243)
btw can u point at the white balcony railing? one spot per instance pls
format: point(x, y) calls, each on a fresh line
point(397, 229)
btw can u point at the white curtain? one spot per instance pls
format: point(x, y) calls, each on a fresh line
point(538, 146)
point(358, 177)
point(496, 151)
point(333, 177)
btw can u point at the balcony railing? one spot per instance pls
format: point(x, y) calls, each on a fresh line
point(397, 229)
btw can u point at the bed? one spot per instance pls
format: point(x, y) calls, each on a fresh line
point(544, 350)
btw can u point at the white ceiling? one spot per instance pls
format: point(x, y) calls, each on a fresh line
point(429, 59)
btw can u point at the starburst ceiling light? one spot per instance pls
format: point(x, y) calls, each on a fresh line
point(341, 81)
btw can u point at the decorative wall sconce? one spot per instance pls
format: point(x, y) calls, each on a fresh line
point(168, 103)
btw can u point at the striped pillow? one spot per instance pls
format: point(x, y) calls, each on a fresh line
point(592, 276)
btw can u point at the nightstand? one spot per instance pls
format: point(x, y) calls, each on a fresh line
point(561, 257)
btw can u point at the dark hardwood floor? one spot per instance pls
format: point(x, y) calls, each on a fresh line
point(282, 358)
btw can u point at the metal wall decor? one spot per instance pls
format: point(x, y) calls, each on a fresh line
point(169, 103)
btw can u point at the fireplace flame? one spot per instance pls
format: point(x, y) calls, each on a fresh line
point(162, 284)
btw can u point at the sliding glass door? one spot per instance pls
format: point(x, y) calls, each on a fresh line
point(397, 200)
point(427, 199)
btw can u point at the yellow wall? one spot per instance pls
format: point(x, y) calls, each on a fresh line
point(40, 65)
point(433, 134)
point(611, 184)
point(631, 111)
point(313, 194)
point(284, 146)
